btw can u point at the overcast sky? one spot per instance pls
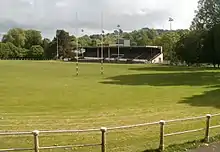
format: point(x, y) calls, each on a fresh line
point(48, 15)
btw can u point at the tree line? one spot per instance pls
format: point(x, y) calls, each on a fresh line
point(201, 43)
point(20, 43)
point(196, 45)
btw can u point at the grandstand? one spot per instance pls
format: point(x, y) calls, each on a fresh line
point(128, 54)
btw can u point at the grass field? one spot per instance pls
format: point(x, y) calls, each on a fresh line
point(48, 95)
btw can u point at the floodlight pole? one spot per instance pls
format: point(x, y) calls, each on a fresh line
point(171, 20)
point(170, 25)
point(118, 40)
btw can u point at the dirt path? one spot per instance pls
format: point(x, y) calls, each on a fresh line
point(210, 148)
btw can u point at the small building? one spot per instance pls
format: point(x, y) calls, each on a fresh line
point(124, 53)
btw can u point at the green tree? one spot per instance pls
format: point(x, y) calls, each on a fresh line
point(93, 42)
point(10, 51)
point(168, 42)
point(45, 43)
point(51, 51)
point(151, 33)
point(32, 37)
point(109, 39)
point(189, 47)
point(14, 52)
point(216, 30)
point(207, 15)
point(127, 35)
point(36, 52)
point(16, 36)
point(140, 37)
point(65, 44)
point(211, 49)
point(84, 41)
point(4, 51)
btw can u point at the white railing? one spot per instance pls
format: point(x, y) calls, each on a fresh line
point(103, 130)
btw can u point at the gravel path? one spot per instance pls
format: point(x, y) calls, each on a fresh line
point(209, 148)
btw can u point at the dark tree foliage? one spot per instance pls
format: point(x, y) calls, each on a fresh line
point(32, 37)
point(207, 15)
point(36, 52)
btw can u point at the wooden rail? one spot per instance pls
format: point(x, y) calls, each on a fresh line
point(103, 130)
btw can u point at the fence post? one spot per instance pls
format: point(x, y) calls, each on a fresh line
point(103, 138)
point(161, 146)
point(36, 140)
point(208, 117)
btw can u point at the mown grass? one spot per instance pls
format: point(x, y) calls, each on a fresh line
point(48, 95)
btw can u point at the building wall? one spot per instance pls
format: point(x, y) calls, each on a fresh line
point(158, 59)
point(127, 43)
point(122, 42)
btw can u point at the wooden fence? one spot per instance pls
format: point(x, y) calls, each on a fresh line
point(36, 147)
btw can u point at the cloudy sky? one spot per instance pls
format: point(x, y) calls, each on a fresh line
point(48, 15)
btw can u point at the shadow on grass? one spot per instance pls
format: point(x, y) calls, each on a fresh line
point(180, 147)
point(209, 98)
point(172, 68)
point(187, 146)
point(167, 79)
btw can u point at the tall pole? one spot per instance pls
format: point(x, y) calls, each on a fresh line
point(118, 40)
point(170, 25)
point(171, 20)
point(102, 33)
point(82, 33)
point(77, 47)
